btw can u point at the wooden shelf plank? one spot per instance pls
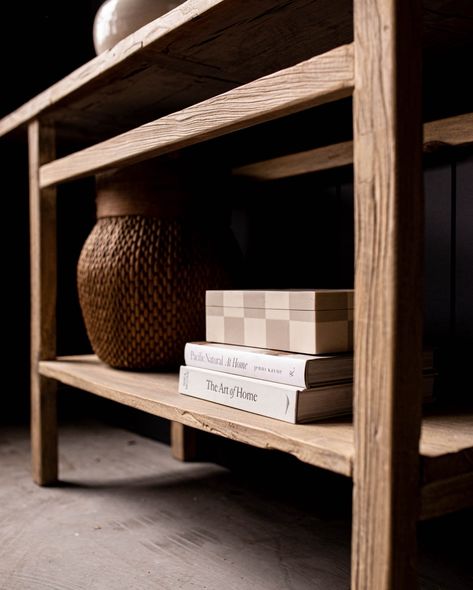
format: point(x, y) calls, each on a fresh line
point(323, 158)
point(199, 49)
point(447, 495)
point(99, 71)
point(328, 444)
point(451, 132)
point(206, 47)
point(446, 442)
point(318, 80)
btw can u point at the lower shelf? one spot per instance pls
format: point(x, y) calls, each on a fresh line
point(446, 443)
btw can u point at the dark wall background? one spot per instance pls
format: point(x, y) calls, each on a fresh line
point(278, 243)
point(55, 37)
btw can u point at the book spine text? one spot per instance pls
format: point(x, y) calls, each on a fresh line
point(267, 399)
point(275, 368)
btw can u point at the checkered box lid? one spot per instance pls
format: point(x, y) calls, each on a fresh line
point(292, 299)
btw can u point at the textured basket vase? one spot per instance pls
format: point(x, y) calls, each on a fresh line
point(144, 269)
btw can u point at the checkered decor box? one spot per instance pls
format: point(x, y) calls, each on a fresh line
point(311, 322)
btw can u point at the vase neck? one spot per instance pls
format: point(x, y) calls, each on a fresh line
point(144, 189)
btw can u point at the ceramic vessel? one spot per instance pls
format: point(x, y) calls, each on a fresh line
point(116, 19)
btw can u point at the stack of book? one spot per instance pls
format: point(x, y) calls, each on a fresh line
point(282, 385)
point(232, 368)
point(290, 387)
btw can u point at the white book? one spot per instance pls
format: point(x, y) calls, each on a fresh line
point(275, 400)
point(300, 370)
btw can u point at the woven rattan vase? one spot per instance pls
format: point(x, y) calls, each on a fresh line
point(144, 269)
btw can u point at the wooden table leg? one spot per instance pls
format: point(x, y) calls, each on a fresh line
point(183, 442)
point(43, 306)
point(388, 293)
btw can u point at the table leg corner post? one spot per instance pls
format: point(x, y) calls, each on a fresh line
point(44, 435)
point(183, 442)
point(388, 303)
point(43, 269)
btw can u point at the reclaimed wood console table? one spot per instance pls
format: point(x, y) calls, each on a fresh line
point(210, 68)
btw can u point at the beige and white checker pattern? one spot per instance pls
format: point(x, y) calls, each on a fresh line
point(297, 321)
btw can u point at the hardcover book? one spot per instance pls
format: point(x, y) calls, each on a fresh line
point(300, 370)
point(307, 321)
point(275, 400)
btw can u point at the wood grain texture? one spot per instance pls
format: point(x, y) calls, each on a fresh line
point(451, 444)
point(327, 444)
point(447, 495)
point(205, 47)
point(200, 49)
point(43, 306)
point(323, 158)
point(99, 69)
point(451, 132)
point(388, 303)
point(183, 442)
point(321, 79)
point(448, 431)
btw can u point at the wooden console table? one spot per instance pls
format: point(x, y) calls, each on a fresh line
point(229, 65)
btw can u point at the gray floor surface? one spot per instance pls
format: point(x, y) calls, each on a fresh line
point(129, 517)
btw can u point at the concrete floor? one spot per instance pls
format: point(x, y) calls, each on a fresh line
point(129, 517)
